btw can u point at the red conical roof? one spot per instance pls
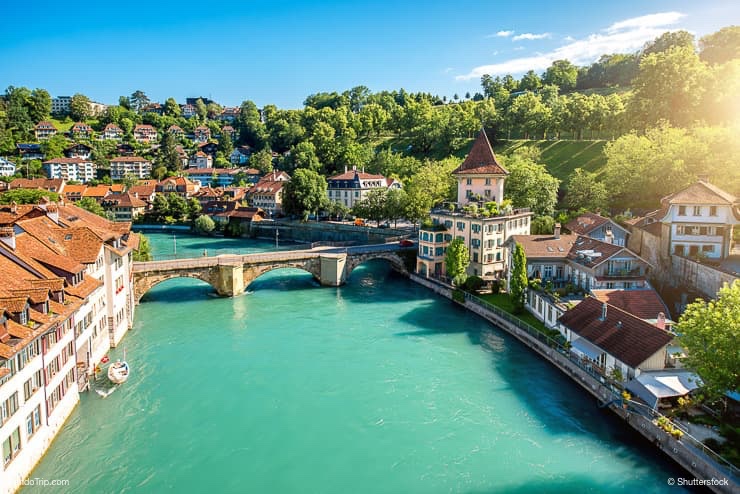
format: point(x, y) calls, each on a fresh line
point(481, 159)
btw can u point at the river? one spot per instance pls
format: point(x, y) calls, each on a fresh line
point(377, 386)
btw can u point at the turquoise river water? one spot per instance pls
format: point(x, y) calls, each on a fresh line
point(378, 386)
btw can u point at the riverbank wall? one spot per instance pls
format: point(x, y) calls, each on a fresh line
point(308, 232)
point(689, 453)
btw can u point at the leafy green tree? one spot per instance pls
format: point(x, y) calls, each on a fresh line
point(529, 185)
point(204, 224)
point(39, 105)
point(373, 206)
point(457, 260)
point(584, 191)
point(518, 282)
point(562, 74)
point(669, 40)
point(90, 204)
point(167, 154)
point(262, 161)
point(19, 121)
point(129, 180)
point(225, 144)
point(395, 205)
point(171, 108)
point(578, 110)
point(194, 208)
point(251, 129)
point(79, 107)
point(530, 81)
point(529, 114)
point(138, 100)
point(27, 196)
point(178, 206)
point(124, 102)
point(305, 193)
point(542, 225)
point(709, 333)
point(670, 85)
point(201, 109)
point(303, 155)
point(160, 207)
point(144, 252)
point(722, 46)
point(54, 147)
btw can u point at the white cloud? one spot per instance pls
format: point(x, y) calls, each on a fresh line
point(530, 36)
point(501, 34)
point(569, 38)
point(621, 37)
point(646, 21)
point(448, 70)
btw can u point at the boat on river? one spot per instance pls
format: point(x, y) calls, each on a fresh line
point(118, 372)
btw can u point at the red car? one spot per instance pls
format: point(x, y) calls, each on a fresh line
point(406, 243)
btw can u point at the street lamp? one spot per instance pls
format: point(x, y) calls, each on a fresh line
point(277, 234)
point(174, 242)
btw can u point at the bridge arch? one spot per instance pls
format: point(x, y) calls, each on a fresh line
point(391, 258)
point(252, 272)
point(142, 284)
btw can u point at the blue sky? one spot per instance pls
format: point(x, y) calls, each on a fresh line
point(280, 52)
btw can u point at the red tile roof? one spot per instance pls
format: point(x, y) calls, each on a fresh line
point(539, 246)
point(351, 174)
point(586, 223)
point(480, 159)
point(622, 335)
point(590, 252)
point(127, 159)
point(701, 192)
point(645, 304)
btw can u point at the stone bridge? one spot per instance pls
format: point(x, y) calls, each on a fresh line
point(230, 275)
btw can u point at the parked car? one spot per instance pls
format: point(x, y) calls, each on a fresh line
point(359, 222)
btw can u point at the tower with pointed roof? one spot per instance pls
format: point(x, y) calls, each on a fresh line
point(483, 230)
point(480, 176)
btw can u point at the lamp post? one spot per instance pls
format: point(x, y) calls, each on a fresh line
point(174, 242)
point(277, 234)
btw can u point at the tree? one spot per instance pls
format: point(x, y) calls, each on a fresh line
point(518, 281)
point(201, 109)
point(168, 156)
point(542, 225)
point(177, 207)
point(530, 81)
point(709, 333)
point(562, 74)
point(303, 155)
point(225, 144)
point(305, 193)
point(251, 129)
point(529, 185)
point(144, 252)
point(124, 102)
point(668, 40)
point(79, 107)
point(27, 196)
point(457, 259)
point(54, 147)
point(90, 204)
point(204, 224)
point(372, 206)
point(395, 205)
point(39, 105)
point(171, 108)
point(670, 85)
point(138, 100)
point(194, 208)
point(129, 180)
point(584, 191)
point(722, 46)
point(262, 161)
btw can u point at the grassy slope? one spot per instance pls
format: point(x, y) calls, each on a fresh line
point(561, 157)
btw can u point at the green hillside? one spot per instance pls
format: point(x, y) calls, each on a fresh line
point(562, 157)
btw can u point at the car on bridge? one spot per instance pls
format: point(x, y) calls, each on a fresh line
point(406, 243)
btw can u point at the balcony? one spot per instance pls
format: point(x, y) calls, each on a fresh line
point(622, 273)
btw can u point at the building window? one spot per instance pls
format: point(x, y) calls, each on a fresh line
point(469, 181)
point(678, 249)
point(488, 181)
point(487, 193)
point(682, 210)
point(697, 210)
point(707, 248)
point(461, 226)
point(12, 445)
point(548, 271)
point(712, 210)
point(475, 257)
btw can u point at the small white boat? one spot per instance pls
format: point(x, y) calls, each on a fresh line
point(118, 372)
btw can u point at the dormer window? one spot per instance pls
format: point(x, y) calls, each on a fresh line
point(23, 317)
point(682, 210)
point(697, 210)
point(712, 210)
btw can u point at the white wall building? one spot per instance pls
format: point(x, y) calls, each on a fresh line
point(70, 169)
point(134, 165)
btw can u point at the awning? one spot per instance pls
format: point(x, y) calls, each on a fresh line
point(585, 347)
point(652, 386)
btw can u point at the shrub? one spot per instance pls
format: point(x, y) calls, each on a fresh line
point(458, 296)
point(204, 224)
point(473, 283)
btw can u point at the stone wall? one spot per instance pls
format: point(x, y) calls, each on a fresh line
point(324, 232)
point(706, 279)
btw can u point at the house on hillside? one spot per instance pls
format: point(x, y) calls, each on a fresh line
point(145, 134)
point(79, 150)
point(240, 155)
point(201, 134)
point(200, 160)
point(351, 187)
point(44, 129)
point(81, 130)
point(112, 132)
point(130, 165)
point(7, 168)
point(79, 169)
point(598, 227)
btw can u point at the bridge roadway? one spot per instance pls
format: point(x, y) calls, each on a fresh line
point(230, 274)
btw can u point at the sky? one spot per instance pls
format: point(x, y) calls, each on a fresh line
point(280, 52)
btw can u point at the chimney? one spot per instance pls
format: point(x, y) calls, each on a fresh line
point(660, 323)
point(603, 312)
point(557, 231)
point(354, 168)
point(7, 236)
point(52, 211)
point(345, 168)
point(14, 207)
point(609, 236)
